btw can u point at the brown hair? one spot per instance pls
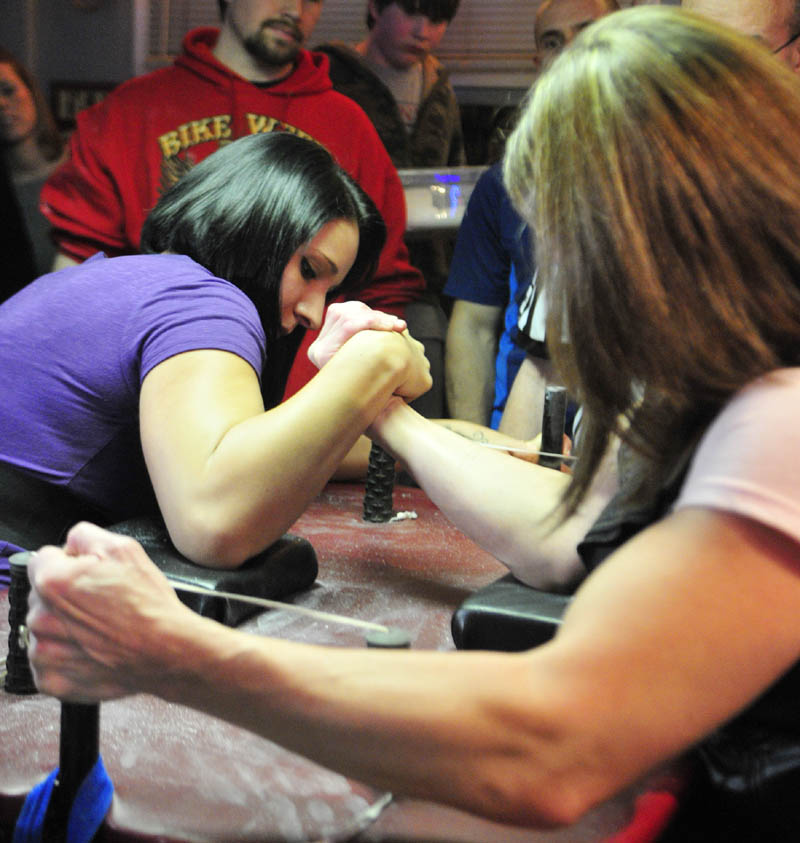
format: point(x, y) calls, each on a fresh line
point(48, 138)
point(436, 10)
point(657, 163)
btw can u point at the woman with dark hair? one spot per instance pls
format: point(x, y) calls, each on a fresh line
point(137, 375)
point(31, 148)
point(217, 215)
point(657, 165)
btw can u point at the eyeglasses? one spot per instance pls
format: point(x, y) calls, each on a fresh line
point(790, 41)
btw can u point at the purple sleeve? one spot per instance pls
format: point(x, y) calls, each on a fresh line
point(200, 314)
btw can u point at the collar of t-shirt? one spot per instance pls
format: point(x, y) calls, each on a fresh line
point(406, 88)
point(272, 82)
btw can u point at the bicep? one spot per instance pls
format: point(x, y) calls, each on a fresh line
point(187, 405)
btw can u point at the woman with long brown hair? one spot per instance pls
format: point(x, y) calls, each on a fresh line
point(657, 162)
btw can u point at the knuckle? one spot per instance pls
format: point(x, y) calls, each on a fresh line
point(122, 546)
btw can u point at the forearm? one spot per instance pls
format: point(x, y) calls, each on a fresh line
point(535, 738)
point(514, 746)
point(469, 384)
point(471, 349)
point(259, 477)
point(522, 415)
point(353, 468)
point(481, 434)
point(489, 747)
point(503, 504)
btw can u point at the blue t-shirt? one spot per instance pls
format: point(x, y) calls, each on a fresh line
point(493, 256)
point(75, 346)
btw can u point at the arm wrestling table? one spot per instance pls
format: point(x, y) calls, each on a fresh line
point(183, 776)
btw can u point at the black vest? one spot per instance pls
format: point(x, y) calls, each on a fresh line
point(746, 783)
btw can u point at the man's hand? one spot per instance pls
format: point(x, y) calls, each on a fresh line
point(342, 321)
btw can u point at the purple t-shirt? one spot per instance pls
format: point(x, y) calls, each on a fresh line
point(75, 346)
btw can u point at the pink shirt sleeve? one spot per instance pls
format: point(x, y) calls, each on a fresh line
point(748, 462)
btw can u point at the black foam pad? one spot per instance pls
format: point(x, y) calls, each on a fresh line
point(33, 513)
point(507, 615)
point(287, 566)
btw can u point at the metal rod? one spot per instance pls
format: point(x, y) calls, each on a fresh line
point(553, 420)
point(79, 748)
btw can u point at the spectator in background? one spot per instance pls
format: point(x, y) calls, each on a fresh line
point(31, 149)
point(250, 76)
point(492, 268)
point(493, 251)
point(776, 23)
point(405, 91)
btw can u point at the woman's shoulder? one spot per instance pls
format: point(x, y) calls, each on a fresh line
point(771, 393)
point(176, 274)
point(766, 405)
point(152, 293)
point(749, 458)
point(166, 264)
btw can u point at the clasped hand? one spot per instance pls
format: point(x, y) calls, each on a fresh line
point(345, 320)
point(96, 605)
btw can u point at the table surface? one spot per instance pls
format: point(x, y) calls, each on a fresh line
point(183, 776)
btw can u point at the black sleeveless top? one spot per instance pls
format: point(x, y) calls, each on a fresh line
point(746, 783)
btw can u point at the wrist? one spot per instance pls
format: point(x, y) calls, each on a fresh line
point(393, 428)
point(178, 655)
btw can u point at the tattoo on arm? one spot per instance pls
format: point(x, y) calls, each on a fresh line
point(472, 435)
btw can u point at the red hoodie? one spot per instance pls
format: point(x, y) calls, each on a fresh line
point(138, 141)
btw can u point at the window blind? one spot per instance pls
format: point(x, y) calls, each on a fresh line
point(485, 35)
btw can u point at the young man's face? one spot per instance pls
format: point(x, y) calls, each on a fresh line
point(273, 31)
point(559, 23)
point(404, 39)
point(769, 22)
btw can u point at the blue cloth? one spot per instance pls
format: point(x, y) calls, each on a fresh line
point(491, 238)
point(90, 806)
point(509, 354)
point(493, 256)
point(7, 550)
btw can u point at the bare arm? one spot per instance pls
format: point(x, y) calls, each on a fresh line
point(632, 678)
point(354, 466)
point(470, 351)
point(231, 478)
point(522, 416)
point(61, 261)
point(500, 502)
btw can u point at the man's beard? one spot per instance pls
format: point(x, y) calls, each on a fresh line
point(269, 52)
